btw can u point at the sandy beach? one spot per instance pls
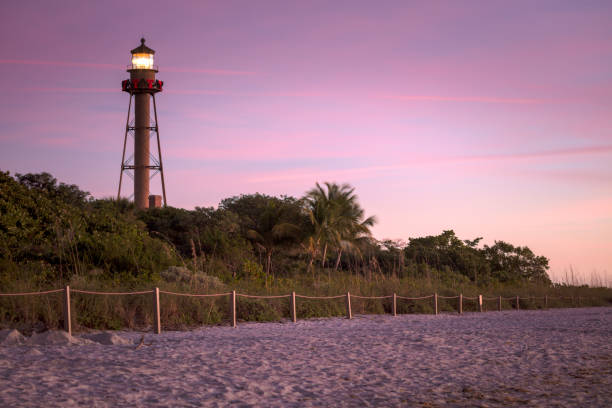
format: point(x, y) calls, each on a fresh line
point(557, 357)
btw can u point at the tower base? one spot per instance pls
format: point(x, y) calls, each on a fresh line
point(155, 201)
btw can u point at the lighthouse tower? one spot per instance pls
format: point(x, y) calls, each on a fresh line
point(142, 87)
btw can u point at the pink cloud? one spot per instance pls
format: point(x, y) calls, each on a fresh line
point(71, 90)
point(198, 92)
point(577, 176)
point(114, 90)
point(482, 99)
point(60, 141)
point(208, 71)
point(249, 153)
point(241, 144)
point(298, 94)
point(174, 91)
point(369, 171)
point(120, 67)
point(575, 151)
point(60, 64)
point(264, 94)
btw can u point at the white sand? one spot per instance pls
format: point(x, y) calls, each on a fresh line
point(55, 338)
point(559, 357)
point(11, 338)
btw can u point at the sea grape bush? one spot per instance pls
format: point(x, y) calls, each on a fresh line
point(61, 231)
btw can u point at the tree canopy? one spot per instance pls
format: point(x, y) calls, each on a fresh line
point(56, 230)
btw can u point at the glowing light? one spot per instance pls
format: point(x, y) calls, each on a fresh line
point(142, 61)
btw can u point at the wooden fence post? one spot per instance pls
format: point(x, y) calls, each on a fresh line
point(293, 315)
point(499, 305)
point(518, 306)
point(394, 304)
point(157, 316)
point(435, 303)
point(545, 301)
point(349, 313)
point(460, 303)
point(233, 307)
point(67, 317)
point(480, 303)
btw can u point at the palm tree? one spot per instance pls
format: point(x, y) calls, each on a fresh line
point(270, 230)
point(337, 218)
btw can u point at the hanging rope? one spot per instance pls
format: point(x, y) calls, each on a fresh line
point(89, 292)
point(320, 297)
point(416, 298)
point(371, 297)
point(263, 297)
point(32, 293)
point(194, 295)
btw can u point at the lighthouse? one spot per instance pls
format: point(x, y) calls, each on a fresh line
point(142, 165)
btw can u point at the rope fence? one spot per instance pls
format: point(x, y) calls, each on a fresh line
point(414, 298)
point(262, 297)
point(374, 297)
point(89, 292)
point(320, 297)
point(46, 292)
point(514, 300)
point(194, 295)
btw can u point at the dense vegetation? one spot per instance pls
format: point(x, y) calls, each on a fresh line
point(53, 234)
point(57, 230)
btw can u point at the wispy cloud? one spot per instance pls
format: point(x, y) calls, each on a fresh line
point(59, 141)
point(254, 153)
point(167, 91)
point(72, 64)
point(71, 90)
point(114, 90)
point(200, 92)
point(367, 171)
point(573, 151)
point(440, 98)
point(298, 94)
point(59, 64)
point(578, 176)
point(207, 71)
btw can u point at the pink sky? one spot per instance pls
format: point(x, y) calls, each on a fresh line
point(490, 118)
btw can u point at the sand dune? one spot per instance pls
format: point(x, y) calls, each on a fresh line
point(558, 357)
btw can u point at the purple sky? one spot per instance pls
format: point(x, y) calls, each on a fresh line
point(487, 117)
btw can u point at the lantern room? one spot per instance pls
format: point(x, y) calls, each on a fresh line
point(142, 57)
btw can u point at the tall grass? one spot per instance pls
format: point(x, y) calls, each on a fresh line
point(136, 311)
